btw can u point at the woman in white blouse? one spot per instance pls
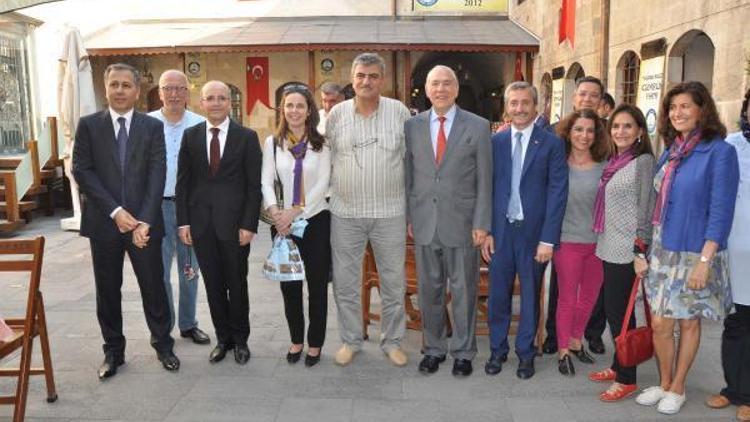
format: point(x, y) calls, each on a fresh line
point(298, 157)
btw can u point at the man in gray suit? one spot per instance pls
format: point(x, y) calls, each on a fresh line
point(449, 199)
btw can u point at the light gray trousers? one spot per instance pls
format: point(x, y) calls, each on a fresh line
point(457, 269)
point(349, 237)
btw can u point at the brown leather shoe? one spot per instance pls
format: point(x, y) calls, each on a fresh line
point(743, 413)
point(717, 401)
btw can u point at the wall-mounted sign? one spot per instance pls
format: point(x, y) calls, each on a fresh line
point(650, 83)
point(462, 6)
point(556, 110)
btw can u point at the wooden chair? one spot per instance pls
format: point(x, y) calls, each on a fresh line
point(26, 328)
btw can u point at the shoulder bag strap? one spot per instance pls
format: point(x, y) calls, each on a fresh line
point(631, 305)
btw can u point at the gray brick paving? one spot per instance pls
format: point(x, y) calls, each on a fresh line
point(268, 389)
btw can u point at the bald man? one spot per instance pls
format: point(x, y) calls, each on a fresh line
point(174, 94)
point(449, 198)
point(218, 205)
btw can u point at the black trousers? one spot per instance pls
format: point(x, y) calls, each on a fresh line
point(108, 256)
point(735, 349)
point(315, 248)
point(597, 321)
point(224, 267)
point(618, 283)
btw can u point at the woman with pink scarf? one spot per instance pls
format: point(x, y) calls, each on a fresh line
point(688, 278)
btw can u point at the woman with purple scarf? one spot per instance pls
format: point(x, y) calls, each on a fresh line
point(688, 276)
point(735, 341)
point(297, 157)
point(622, 219)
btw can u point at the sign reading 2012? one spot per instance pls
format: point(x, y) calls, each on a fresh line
point(474, 6)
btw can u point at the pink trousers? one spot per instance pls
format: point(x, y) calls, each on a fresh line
point(579, 279)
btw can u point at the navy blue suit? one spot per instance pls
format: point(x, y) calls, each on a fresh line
point(544, 193)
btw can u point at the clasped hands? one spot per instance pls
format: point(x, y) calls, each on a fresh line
point(127, 223)
point(543, 251)
point(283, 219)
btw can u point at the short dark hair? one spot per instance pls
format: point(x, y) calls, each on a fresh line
point(599, 147)
point(331, 88)
point(592, 80)
point(607, 98)
point(123, 66)
point(709, 124)
point(640, 148)
point(311, 122)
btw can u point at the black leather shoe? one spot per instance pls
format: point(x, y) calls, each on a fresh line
point(525, 369)
point(565, 366)
point(109, 366)
point(430, 364)
point(197, 335)
point(550, 345)
point(495, 364)
point(596, 345)
point(217, 355)
point(169, 361)
point(583, 356)
point(462, 368)
point(293, 357)
point(311, 361)
point(241, 354)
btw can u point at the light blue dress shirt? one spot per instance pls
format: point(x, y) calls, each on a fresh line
point(526, 132)
point(173, 140)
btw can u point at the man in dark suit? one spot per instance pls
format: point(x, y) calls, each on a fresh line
point(449, 194)
point(530, 185)
point(218, 205)
point(119, 164)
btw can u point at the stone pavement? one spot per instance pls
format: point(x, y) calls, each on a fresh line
point(269, 389)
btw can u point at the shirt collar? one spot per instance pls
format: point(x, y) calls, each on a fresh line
point(526, 132)
point(223, 126)
point(449, 115)
point(128, 116)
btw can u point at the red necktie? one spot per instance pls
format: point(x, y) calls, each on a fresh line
point(215, 153)
point(441, 141)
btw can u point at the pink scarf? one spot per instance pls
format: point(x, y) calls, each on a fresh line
point(615, 164)
point(680, 149)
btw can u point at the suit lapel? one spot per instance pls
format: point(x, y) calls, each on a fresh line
point(108, 136)
point(230, 145)
point(456, 134)
point(425, 140)
point(531, 150)
point(135, 136)
point(202, 149)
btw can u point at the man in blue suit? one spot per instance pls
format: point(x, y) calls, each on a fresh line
point(530, 190)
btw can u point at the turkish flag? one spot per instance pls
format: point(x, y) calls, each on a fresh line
point(567, 29)
point(256, 77)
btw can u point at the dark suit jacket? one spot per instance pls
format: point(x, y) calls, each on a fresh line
point(228, 201)
point(544, 185)
point(456, 196)
point(96, 168)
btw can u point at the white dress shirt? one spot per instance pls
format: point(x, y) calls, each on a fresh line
point(116, 125)
point(526, 137)
point(450, 117)
point(223, 128)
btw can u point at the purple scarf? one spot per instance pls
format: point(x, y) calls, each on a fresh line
point(680, 149)
point(617, 162)
point(298, 152)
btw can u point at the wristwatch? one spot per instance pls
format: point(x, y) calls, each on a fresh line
point(705, 259)
point(641, 255)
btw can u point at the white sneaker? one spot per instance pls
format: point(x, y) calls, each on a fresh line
point(671, 403)
point(650, 396)
point(344, 355)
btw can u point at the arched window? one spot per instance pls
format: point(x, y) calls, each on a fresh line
point(692, 59)
point(236, 96)
point(628, 70)
point(545, 95)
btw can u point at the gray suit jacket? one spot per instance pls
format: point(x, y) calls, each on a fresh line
point(455, 197)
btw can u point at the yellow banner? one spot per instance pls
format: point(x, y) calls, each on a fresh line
point(463, 6)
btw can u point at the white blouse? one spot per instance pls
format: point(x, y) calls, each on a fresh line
point(316, 173)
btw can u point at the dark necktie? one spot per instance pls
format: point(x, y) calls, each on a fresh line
point(215, 152)
point(122, 145)
point(122, 142)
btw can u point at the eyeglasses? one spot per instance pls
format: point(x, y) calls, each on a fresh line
point(214, 98)
point(295, 88)
point(175, 89)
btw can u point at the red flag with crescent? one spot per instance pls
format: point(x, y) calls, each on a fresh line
point(256, 77)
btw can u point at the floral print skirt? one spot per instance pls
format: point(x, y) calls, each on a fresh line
point(667, 290)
